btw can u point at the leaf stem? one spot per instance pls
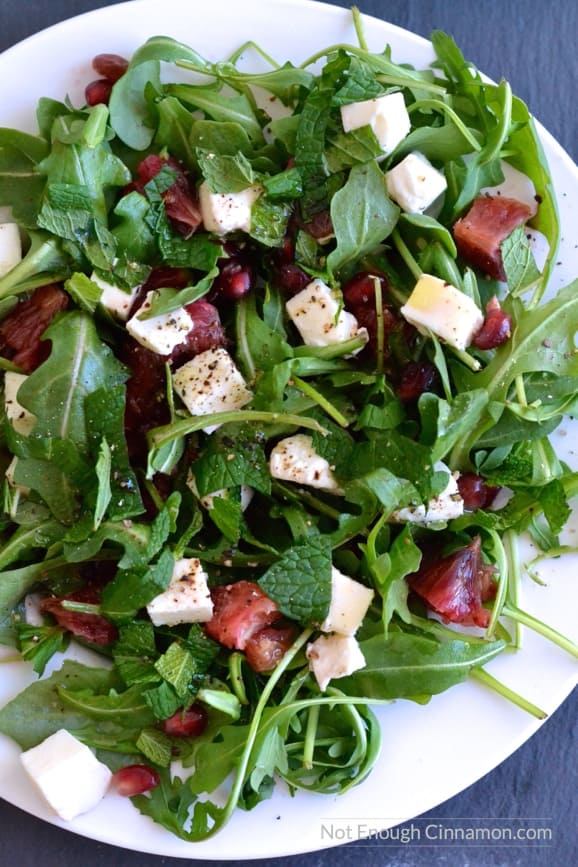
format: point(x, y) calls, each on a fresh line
point(541, 628)
point(159, 436)
point(310, 737)
point(405, 254)
point(482, 676)
point(320, 400)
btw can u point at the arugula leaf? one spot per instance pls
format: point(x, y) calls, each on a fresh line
point(40, 710)
point(300, 582)
point(78, 365)
point(362, 214)
point(129, 110)
point(414, 666)
point(38, 644)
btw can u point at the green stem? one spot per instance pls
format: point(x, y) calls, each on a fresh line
point(503, 582)
point(310, 737)
point(320, 400)
point(512, 550)
point(241, 771)
point(406, 254)
point(439, 105)
point(357, 23)
point(236, 677)
point(80, 607)
point(541, 628)
point(497, 686)
point(379, 323)
point(159, 436)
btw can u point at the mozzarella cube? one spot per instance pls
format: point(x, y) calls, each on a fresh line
point(210, 382)
point(349, 603)
point(386, 115)
point(208, 500)
point(415, 184)
point(10, 247)
point(227, 212)
point(516, 185)
point(332, 656)
point(67, 773)
point(22, 420)
point(294, 459)
point(114, 299)
point(445, 507)
point(439, 307)
point(187, 598)
point(319, 316)
point(160, 334)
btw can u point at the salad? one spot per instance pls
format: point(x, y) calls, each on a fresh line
point(279, 380)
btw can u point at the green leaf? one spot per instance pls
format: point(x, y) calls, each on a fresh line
point(129, 110)
point(177, 667)
point(229, 109)
point(130, 591)
point(78, 365)
point(413, 666)
point(39, 710)
point(300, 582)
point(362, 214)
point(225, 173)
point(155, 746)
point(38, 644)
point(45, 262)
point(103, 474)
point(135, 651)
point(84, 292)
point(232, 458)
point(521, 270)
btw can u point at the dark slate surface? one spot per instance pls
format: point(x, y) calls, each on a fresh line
point(533, 45)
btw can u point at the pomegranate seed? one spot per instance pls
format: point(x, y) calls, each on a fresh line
point(98, 92)
point(496, 329)
point(111, 66)
point(188, 723)
point(320, 226)
point(416, 378)
point(475, 493)
point(235, 279)
point(359, 290)
point(135, 780)
point(290, 278)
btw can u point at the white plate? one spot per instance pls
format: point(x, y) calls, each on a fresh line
point(429, 753)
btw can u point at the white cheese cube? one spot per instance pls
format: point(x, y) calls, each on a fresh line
point(439, 307)
point(349, 603)
point(187, 598)
point(386, 115)
point(10, 247)
point(208, 500)
point(67, 773)
point(22, 420)
point(516, 185)
point(115, 300)
point(332, 656)
point(160, 334)
point(210, 382)
point(319, 316)
point(227, 212)
point(294, 459)
point(415, 184)
point(445, 507)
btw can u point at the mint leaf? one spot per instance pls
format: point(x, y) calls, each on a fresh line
point(155, 746)
point(232, 457)
point(163, 700)
point(177, 667)
point(135, 652)
point(519, 264)
point(300, 582)
point(130, 591)
point(225, 173)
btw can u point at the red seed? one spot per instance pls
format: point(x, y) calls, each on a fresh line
point(416, 378)
point(111, 66)
point(235, 279)
point(135, 780)
point(98, 92)
point(188, 723)
point(475, 493)
point(359, 290)
point(496, 329)
point(290, 278)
